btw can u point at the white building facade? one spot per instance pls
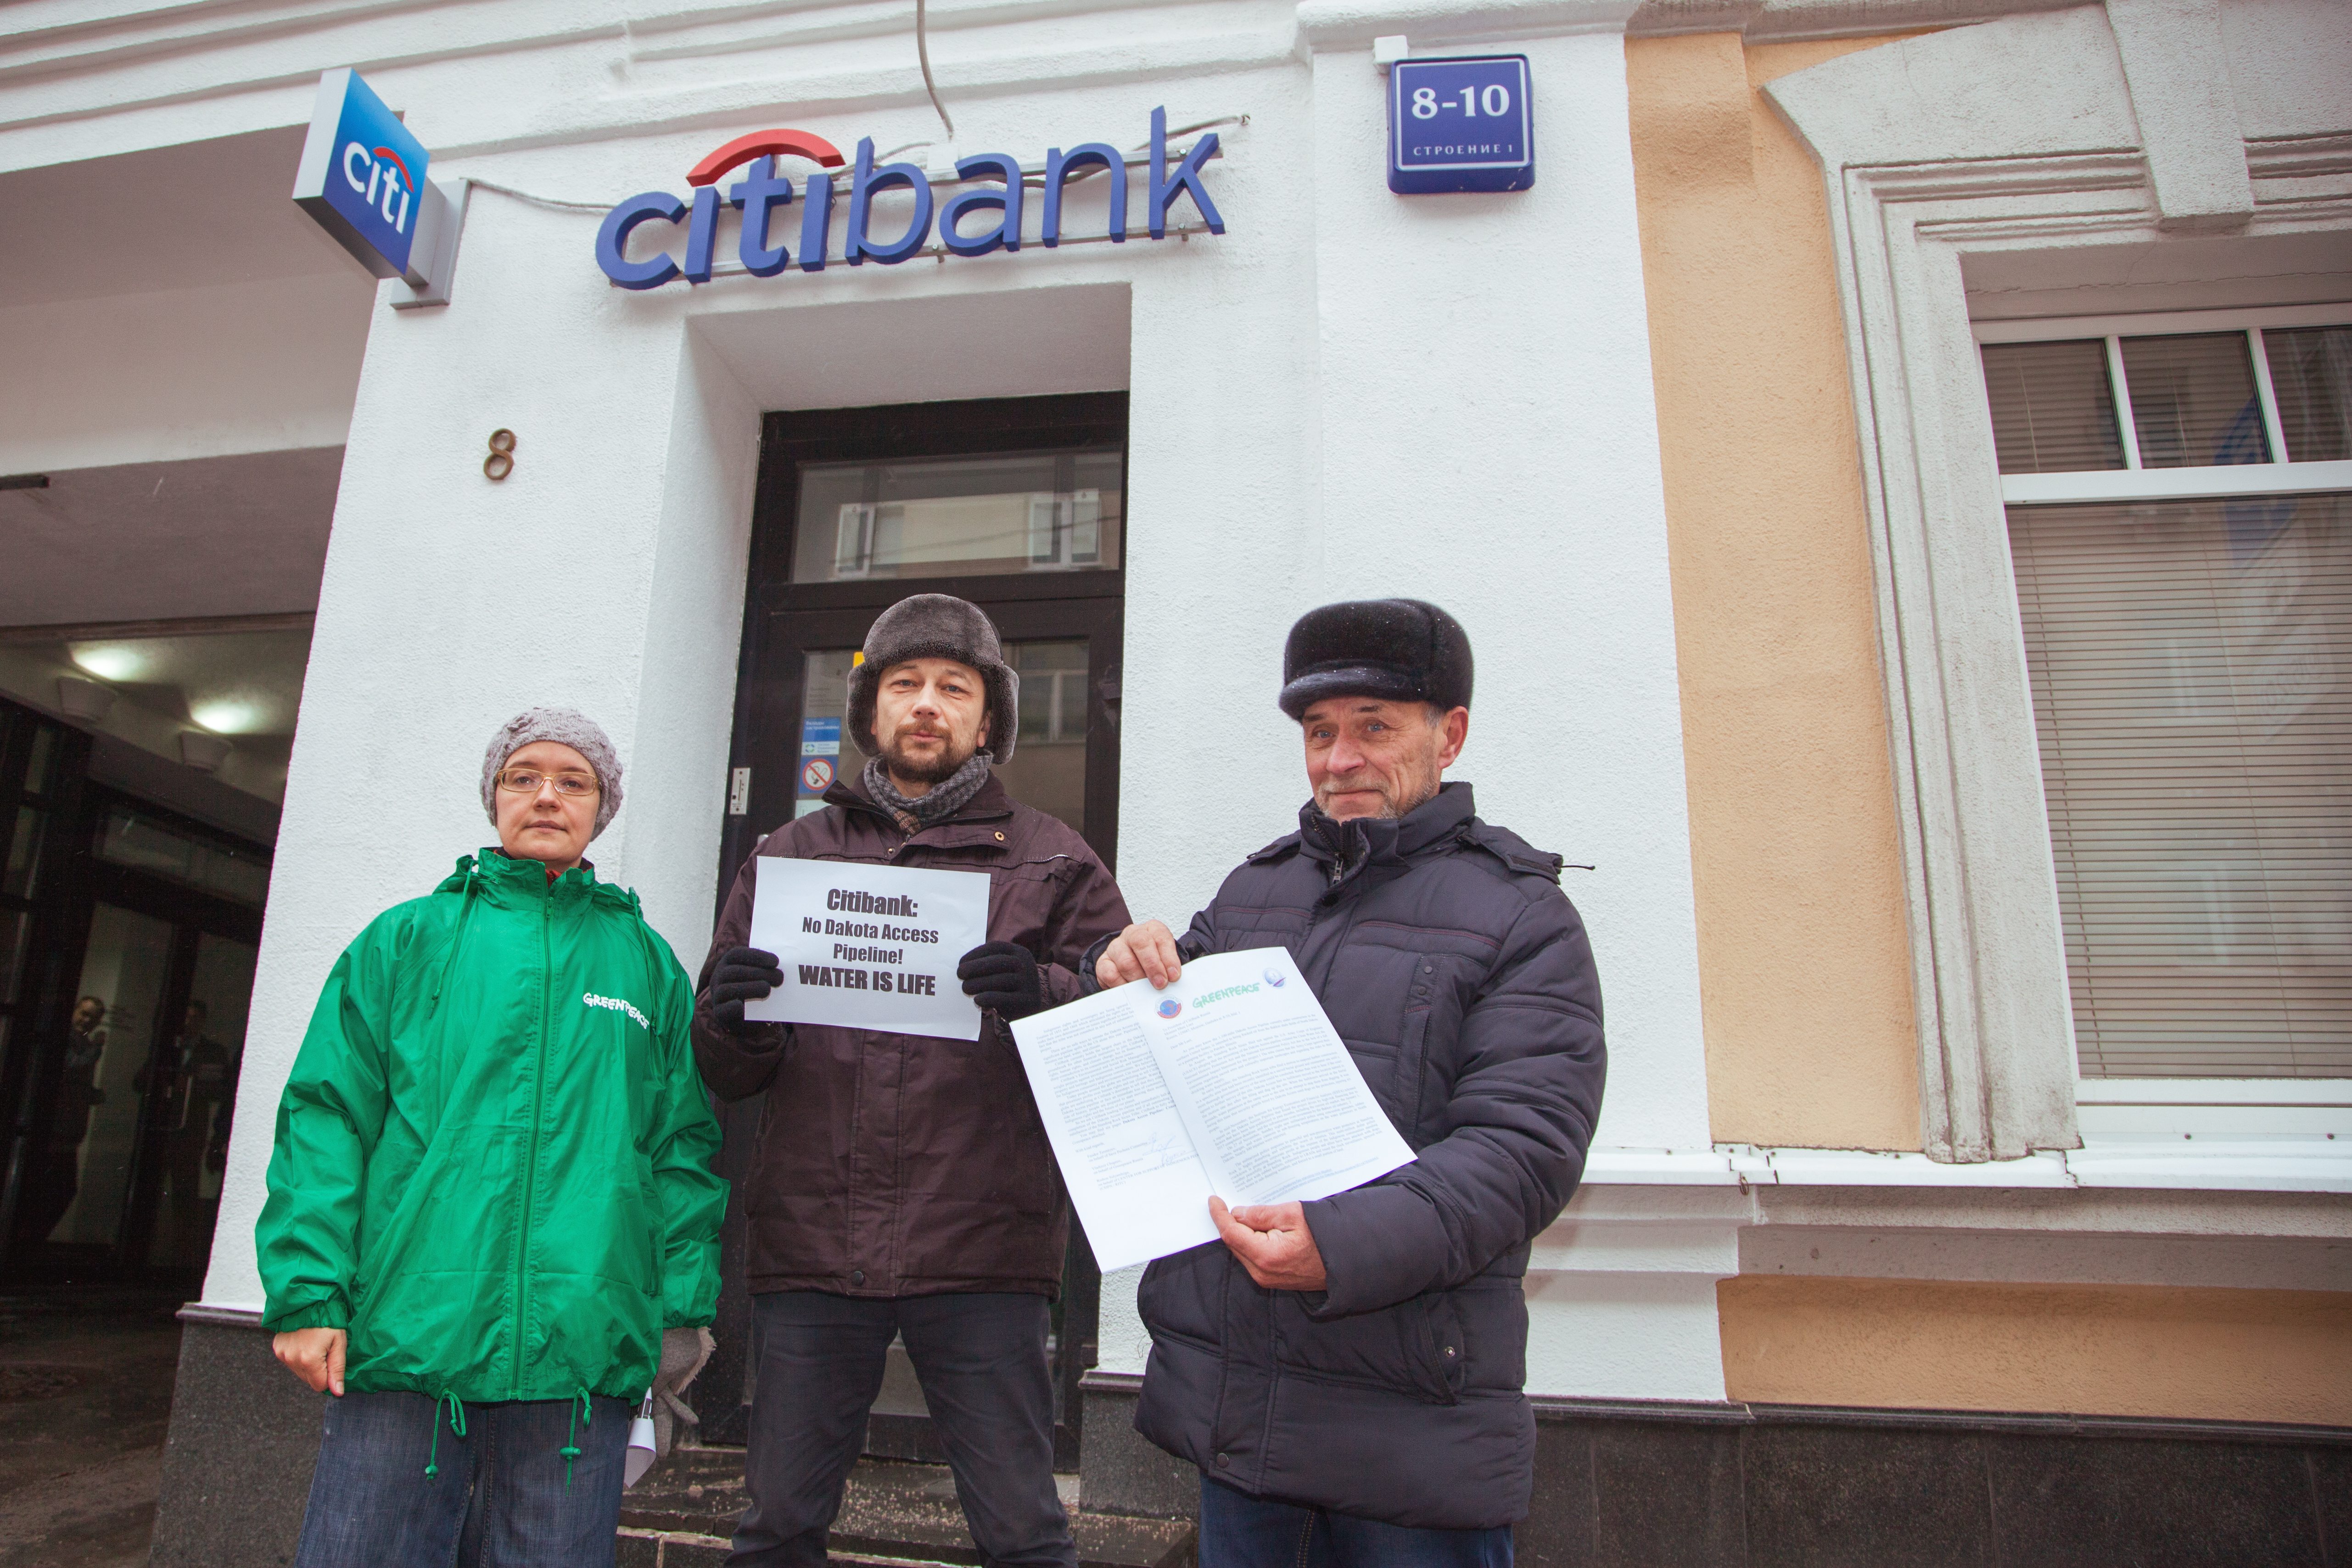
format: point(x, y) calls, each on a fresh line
point(1332, 391)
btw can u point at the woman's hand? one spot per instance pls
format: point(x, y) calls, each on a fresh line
point(314, 1355)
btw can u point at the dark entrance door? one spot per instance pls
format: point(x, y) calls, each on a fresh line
point(126, 1029)
point(1016, 504)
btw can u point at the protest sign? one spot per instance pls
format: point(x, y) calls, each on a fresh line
point(868, 947)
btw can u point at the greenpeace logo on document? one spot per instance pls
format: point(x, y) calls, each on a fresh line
point(1227, 991)
point(615, 1005)
point(1170, 1008)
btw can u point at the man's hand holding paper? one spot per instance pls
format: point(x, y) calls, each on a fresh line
point(1274, 1243)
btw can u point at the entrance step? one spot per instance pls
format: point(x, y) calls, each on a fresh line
point(893, 1514)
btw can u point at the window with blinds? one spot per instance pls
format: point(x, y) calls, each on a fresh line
point(2052, 411)
point(2191, 667)
point(2170, 400)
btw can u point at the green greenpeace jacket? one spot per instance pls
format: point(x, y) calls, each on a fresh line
point(493, 1157)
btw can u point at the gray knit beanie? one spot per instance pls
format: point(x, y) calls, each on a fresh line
point(566, 726)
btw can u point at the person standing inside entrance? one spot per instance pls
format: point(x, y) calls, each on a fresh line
point(59, 1177)
point(198, 1080)
point(1346, 1373)
point(491, 1210)
point(902, 1184)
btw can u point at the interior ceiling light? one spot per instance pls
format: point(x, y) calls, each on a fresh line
point(109, 661)
point(229, 718)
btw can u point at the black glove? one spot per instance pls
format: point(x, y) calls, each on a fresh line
point(743, 975)
point(1002, 975)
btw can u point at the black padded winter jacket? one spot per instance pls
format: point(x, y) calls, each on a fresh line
point(1460, 978)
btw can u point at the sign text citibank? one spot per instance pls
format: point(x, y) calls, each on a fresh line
point(762, 191)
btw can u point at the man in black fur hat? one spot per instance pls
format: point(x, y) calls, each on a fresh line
point(902, 1186)
point(1348, 1374)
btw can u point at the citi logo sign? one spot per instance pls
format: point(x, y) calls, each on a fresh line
point(362, 176)
point(983, 215)
point(371, 169)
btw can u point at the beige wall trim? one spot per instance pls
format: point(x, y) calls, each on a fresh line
point(2017, 136)
point(1797, 869)
point(2226, 1263)
point(2167, 1352)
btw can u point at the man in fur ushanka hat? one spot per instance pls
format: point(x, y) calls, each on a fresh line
point(1346, 1373)
point(902, 1186)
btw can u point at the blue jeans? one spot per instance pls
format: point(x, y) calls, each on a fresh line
point(497, 1498)
point(1238, 1531)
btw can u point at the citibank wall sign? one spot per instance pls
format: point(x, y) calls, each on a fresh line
point(993, 210)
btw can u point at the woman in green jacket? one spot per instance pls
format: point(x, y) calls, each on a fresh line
point(491, 1197)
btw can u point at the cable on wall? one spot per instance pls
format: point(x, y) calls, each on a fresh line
point(923, 54)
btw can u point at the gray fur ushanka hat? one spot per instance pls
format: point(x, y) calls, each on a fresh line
point(936, 626)
point(1402, 650)
point(568, 727)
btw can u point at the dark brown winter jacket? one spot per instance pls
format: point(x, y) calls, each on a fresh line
point(902, 1164)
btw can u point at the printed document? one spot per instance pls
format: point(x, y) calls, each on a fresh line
point(868, 947)
point(1232, 1083)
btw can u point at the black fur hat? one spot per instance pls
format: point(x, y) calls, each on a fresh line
point(936, 626)
point(1403, 650)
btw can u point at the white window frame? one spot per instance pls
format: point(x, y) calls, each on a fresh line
point(2141, 1110)
point(2026, 137)
point(2280, 475)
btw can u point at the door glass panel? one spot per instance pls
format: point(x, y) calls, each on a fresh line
point(14, 925)
point(129, 839)
point(2193, 402)
point(1048, 769)
point(198, 1076)
point(23, 853)
point(92, 1138)
point(1036, 511)
point(36, 772)
point(826, 750)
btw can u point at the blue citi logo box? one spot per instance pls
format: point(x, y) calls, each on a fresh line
point(362, 175)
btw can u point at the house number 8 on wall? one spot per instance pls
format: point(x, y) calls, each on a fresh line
point(1497, 100)
point(500, 462)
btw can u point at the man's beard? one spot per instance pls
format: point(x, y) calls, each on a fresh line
point(918, 770)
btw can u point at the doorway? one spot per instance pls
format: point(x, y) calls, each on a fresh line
point(1017, 505)
point(125, 1019)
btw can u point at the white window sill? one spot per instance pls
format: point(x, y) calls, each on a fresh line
point(2287, 1164)
point(2173, 484)
point(2199, 1111)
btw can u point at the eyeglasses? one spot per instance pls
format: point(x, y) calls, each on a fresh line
point(526, 781)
